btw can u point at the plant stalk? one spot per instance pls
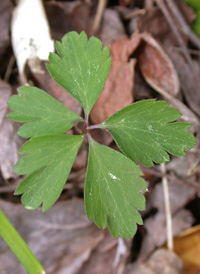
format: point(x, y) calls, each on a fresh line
point(19, 247)
point(167, 209)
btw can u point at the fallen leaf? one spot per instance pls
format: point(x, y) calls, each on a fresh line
point(154, 23)
point(189, 79)
point(62, 238)
point(156, 67)
point(110, 256)
point(5, 15)
point(9, 140)
point(179, 196)
point(111, 27)
point(102, 257)
point(118, 90)
point(156, 230)
point(187, 246)
point(101, 136)
point(67, 16)
point(161, 261)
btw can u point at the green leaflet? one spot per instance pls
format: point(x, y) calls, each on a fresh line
point(81, 67)
point(196, 23)
point(195, 4)
point(112, 191)
point(42, 114)
point(145, 131)
point(49, 160)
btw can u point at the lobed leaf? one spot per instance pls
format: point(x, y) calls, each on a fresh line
point(49, 160)
point(81, 67)
point(145, 131)
point(112, 191)
point(42, 114)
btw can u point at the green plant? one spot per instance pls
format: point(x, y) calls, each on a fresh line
point(195, 5)
point(144, 131)
point(19, 247)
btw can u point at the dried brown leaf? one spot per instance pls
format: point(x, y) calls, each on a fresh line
point(161, 261)
point(187, 246)
point(189, 79)
point(156, 67)
point(111, 27)
point(62, 238)
point(9, 140)
point(156, 230)
point(5, 16)
point(118, 90)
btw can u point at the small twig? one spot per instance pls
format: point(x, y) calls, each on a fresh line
point(135, 14)
point(99, 15)
point(167, 209)
point(6, 189)
point(173, 27)
point(9, 68)
point(191, 51)
point(93, 127)
point(184, 26)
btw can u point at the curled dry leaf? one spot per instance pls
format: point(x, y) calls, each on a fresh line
point(9, 140)
point(189, 78)
point(156, 67)
point(118, 90)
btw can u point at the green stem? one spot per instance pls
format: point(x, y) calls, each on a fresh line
point(19, 247)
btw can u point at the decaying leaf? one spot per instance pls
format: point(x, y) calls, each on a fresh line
point(187, 246)
point(189, 79)
point(156, 67)
point(111, 27)
point(9, 140)
point(119, 87)
point(161, 261)
point(61, 238)
point(5, 15)
point(156, 230)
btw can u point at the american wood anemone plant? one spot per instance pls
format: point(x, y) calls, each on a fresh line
point(145, 132)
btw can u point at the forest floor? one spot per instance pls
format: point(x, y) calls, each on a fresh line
point(155, 54)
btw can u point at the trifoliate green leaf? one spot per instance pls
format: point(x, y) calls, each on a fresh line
point(81, 67)
point(145, 131)
point(42, 114)
point(112, 191)
point(49, 160)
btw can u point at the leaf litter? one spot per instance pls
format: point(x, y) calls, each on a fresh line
point(81, 258)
